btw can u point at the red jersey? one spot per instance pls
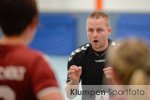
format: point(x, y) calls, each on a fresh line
point(24, 74)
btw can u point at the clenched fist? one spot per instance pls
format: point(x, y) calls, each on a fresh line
point(74, 73)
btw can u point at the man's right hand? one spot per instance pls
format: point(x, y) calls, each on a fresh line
point(74, 74)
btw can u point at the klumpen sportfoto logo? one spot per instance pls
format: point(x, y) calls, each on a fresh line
point(105, 92)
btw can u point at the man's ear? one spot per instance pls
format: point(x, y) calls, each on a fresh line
point(109, 30)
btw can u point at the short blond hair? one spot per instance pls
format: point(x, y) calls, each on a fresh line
point(99, 14)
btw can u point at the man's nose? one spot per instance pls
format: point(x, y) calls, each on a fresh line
point(95, 33)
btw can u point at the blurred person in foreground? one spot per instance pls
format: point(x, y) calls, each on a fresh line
point(24, 73)
point(87, 63)
point(131, 65)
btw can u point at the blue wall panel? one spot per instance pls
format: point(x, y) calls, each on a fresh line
point(133, 25)
point(56, 34)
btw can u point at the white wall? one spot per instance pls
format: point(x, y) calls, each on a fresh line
point(66, 5)
point(89, 5)
point(141, 6)
point(50, 5)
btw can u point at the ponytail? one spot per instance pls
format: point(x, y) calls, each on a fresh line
point(138, 80)
point(138, 77)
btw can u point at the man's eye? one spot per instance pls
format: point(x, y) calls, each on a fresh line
point(90, 30)
point(100, 30)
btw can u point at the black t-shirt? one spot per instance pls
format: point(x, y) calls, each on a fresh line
point(92, 63)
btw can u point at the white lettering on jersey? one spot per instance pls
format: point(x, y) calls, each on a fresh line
point(12, 73)
point(114, 43)
point(100, 60)
point(78, 50)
